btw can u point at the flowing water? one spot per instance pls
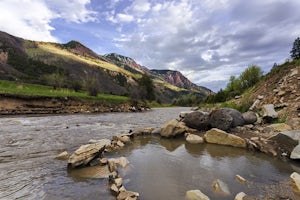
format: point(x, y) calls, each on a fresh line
point(159, 169)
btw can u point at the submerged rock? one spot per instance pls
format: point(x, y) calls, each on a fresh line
point(217, 136)
point(295, 180)
point(240, 178)
point(87, 153)
point(240, 196)
point(221, 187)
point(173, 128)
point(198, 120)
point(195, 195)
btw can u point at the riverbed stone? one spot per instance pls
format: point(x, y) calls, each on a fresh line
point(173, 128)
point(280, 127)
point(114, 188)
point(240, 196)
point(198, 120)
point(126, 195)
point(85, 153)
point(118, 182)
point(63, 156)
point(194, 139)
point(250, 117)
point(240, 178)
point(295, 180)
point(195, 195)
point(124, 138)
point(120, 144)
point(221, 187)
point(217, 136)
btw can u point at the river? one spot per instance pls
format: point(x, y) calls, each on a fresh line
point(159, 169)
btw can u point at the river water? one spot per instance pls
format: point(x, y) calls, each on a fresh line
point(159, 169)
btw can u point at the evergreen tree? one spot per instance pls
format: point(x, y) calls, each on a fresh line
point(295, 52)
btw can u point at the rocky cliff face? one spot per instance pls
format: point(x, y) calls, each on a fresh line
point(176, 78)
point(126, 63)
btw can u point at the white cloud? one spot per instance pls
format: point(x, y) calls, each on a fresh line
point(31, 19)
point(213, 38)
point(141, 6)
point(121, 17)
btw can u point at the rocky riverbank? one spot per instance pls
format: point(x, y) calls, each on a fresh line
point(224, 126)
point(11, 104)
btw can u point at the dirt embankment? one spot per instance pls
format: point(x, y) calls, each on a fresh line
point(19, 104)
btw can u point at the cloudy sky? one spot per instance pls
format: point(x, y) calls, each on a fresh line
point(207, 40)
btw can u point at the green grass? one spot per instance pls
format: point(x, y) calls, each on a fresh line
point(17, 88)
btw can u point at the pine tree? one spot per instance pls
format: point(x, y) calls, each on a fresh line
point(295, 52)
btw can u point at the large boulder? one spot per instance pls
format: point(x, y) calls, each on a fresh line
point(225, 118)
point(250, 117)
point(288, 140)
point(173, 128)
point(87, 153)
point(198, 120)
point(269, 112)
point(217, 136)
point(195, 195)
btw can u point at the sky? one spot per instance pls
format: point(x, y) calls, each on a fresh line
point(207, 40)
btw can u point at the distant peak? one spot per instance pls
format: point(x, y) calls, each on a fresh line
point(72, 44)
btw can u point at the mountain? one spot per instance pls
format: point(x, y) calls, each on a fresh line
point(74, 65)
point(176, 78)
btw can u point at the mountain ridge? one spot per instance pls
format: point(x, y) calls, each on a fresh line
point(32, 61)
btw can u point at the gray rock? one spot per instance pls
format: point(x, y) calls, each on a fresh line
point(220, 120)
point(87, 153)
point(173, 128)
point(184, 113)
point(296, 152)
point(195, 195)
point(198, 120)
point(255, 105)
point(249, 117)
point(269, 112)
point(287, 140)
point(225, 118)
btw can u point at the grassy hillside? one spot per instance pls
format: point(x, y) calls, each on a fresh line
point(76, 67)
point(12, 87)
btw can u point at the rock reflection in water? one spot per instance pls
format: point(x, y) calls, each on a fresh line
point(167, 168)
